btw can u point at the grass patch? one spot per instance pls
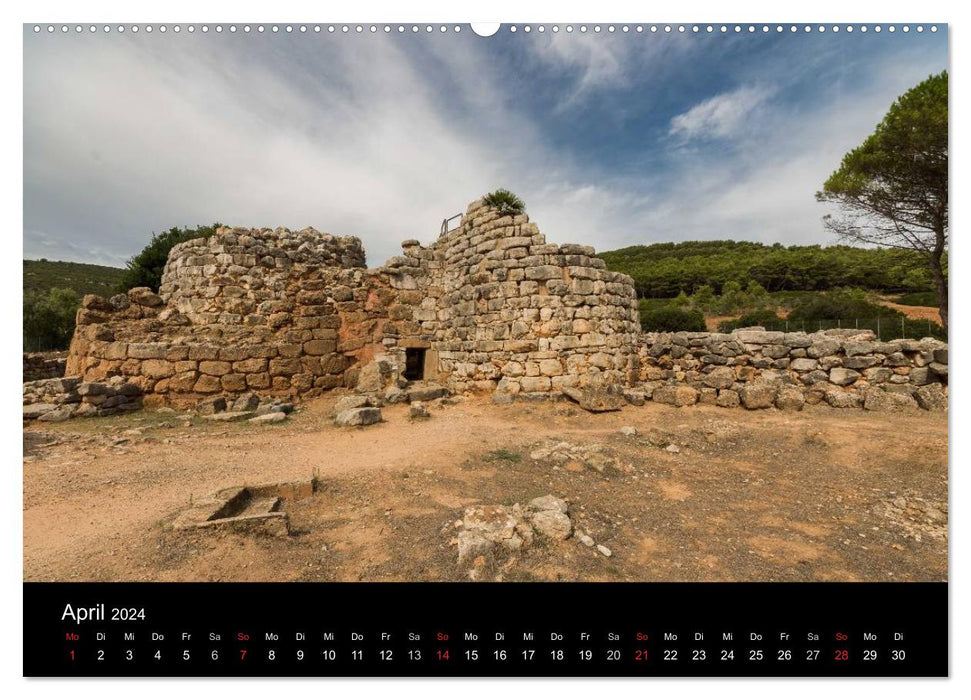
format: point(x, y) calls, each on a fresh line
point(917, 299)
point(502, 456)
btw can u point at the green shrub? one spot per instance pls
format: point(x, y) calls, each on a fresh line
point(761, 317)
point(49, 319)
point(672, 319)
point(917, 299)
point(703, 297)
point(842, 304)
point(506, 202)
point(145, 269)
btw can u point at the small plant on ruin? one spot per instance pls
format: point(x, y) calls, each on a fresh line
point(506, 202)
point(145, 269)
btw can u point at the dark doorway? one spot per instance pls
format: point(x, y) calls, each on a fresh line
point(414, 364)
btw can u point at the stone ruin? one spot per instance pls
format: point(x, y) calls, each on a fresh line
point(490, 306)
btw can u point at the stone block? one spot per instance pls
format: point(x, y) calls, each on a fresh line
point(841, 376)
point(728, 399)
point(157, 369)
point(758, 394)
point(675, 395)
point(358, 417)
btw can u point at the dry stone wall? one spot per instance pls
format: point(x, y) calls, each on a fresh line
point(55, 400)
point(44, 365)
point(756, 368)
point(490, 306)
point(501, 309)
point(243, 310)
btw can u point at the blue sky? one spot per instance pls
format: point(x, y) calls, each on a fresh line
point(611, 139)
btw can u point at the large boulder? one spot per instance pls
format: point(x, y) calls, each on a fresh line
point(473, 545)
point(375, 376)
point(727, 398)
point(58, 414)
point(498, 524)
point(249, 401)
point(346, 403)
point(358, 417)
point(273, 417)
point(758, 394)
point(877, 399)
point(426, 392)
point(552, 524)
point(548, 502)
point(837, 398)
point(931, 397)
point(550, 517)
point(789, 398)
point(720, 378)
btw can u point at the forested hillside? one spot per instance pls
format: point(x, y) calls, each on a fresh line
point(666, 269)
point(42, 275)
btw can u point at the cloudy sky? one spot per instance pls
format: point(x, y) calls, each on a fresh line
point(611, 139)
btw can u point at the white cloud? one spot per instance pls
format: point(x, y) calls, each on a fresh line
point(122, 138)
point(720, 116)
point(598, 62)
point(128, 141)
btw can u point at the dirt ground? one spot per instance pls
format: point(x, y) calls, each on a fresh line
point(915, 313)
point(697, 494)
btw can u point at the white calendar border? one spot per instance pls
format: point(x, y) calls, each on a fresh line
point(830, 11)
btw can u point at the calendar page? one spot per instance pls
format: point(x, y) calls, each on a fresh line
point(519, 349)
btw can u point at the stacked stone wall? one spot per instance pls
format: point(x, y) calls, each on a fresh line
point(495, 307)
point(243, 310)
point(504, 310)
point(761, 369)
point(55, 400)
point(44, 365)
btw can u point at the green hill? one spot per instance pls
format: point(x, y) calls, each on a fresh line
point(42, 275)
point(666, 269)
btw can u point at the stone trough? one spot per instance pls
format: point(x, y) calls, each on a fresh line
point(246, 509)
